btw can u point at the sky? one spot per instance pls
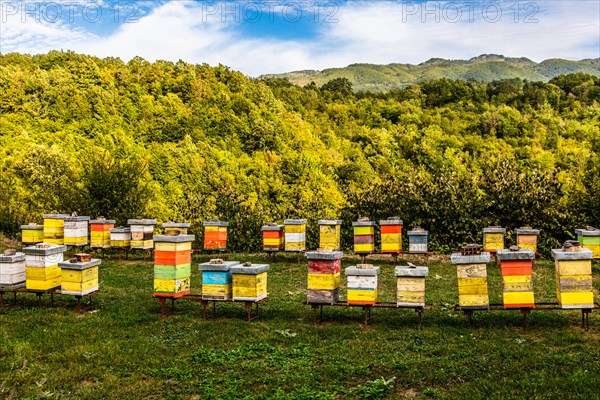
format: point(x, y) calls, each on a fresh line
point(273, 36)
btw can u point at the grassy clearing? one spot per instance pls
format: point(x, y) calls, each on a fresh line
point(123, 350)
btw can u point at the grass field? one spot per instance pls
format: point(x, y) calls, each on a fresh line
point(123, 350)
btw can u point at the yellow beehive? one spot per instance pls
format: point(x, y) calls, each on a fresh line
point(42, 272)
point(471, 271)
point(364, 236)
point(362, 284)
point(527, 238)
point(79, 278)
point(172, 265)
point(493, 238)
point(54, 228)
point(215, 234)
point(329, 234)
point(273, 239)
point(516, 266)
point(217, 279)
point(32, 234)
point(589, 238)
point(410, 285)
point(573, 266)
point(295, 234)
point(391, 235)
point(100, 232)
point(76, 230)
point(120, 238)
point(142, 231)
point(249, 282)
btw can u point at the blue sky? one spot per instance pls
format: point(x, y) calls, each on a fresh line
point(259, 37)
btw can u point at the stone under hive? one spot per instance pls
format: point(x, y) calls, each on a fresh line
point(364, 236)
point(527, 237)
point(100, 232)
point(573, 266)
point(329, 234)
point(516, 266)
point(410, 285)
point(172, 265)
point(391, 235)
point(12, 270)
point(32, 234)
point(142, 232)
point(323, 277)
point(362, 284)
point(493, 238)
point(295, 234)
point(79, 275)
point(589, 238)
point(41, 266)
point(215, 235)
point(175, 227)
point(272, 237)
point(249, 282)
point(120, 238)
point(76, 230)
point(54, 228)
point(471, 271)
point(217, 279)
point(417, 240)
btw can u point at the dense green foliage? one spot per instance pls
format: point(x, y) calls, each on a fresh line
point(179, 141)
point(486, 67)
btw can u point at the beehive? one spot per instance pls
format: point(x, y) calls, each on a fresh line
point(589, 238)
point(142, 232)
point(324, 269)
point(391, 235)
point(364, 236)
point(329, 234)
point(527, 238)
point(573, 268)
point(54, 228)
point(174, 227)
point(42, 272)
point(516, 266)
point(249, 281)
point(76, 230)
point(12, 270)
point(120, 238)
point(295, 234)
point(172, 265)
point(216, 279)
point(100, 232)
point(471, 272)
point(410, 285)
point(79, 277)
point(272, 237)
point(362, 284)
point(32, 234)
point(215, 235)
point(417, 240)
point(493, 238)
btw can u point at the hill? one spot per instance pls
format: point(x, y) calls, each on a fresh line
point(486, 68)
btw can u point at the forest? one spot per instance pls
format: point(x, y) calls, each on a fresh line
point(179, 141)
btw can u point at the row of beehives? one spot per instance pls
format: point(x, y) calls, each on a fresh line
point(42, 268)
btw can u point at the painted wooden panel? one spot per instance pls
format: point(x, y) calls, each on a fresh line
point(362, 296)
point(172, 257)
point(472, 286)
point(410, 285)
point(364, 239)
point(361, 282)
point(391, 229)
point(32, 284)
point(42, 274)
point(517, 283)
point(516, 267)
point(324, 266)
point(295, 228)
point(329, 237)
point(322, 296)
point(324, 281)
point(473, 300)
point(575, 283)
point(12, 268)
point(575, 267)
point(417, 248)
point(121, 244)
point(408, 296)
point(172, 271)
point(576, 299)
point(526, 239)
point(171, 285)
point(216, 277)
point(79, 286)
point(249, 292)
point(216, 292)
point(471, 271)
point(12, 278)
point(493, 241)
point(588, 240)
point(518, 299)
point(71, 275)
point(166, 246)
point(32, 236)
point(364, 248)
point(364, 230)
point(141, 244)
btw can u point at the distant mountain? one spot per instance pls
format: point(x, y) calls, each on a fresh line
point(486, 67)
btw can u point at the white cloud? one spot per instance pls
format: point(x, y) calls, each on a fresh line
point(369, 32)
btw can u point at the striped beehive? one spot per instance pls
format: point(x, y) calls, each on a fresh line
point(215, 235)
point(216, 279)
point(272, 237)
point(364, 236)
point(493, 238)
point(100, 232)
point(249, 281)
point(79, 276)
point(391, 235)
point(329, 234)
point(172, 265)
point(42, 272)
point(516, 266)
point(323, 277)
point(417, 240)
point(295, 234)
point(410, 285)
point(54, 228)
point(12, 270)
point(527, 238)
point(573, 266)
point(76, 230)
point(471, 271)
point(32, 234)
point(120, 238)
point(173, 228)
point(590, 239)
point(362, 284)
point(142, 232)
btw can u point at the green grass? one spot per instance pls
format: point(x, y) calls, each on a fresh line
point(123, 350)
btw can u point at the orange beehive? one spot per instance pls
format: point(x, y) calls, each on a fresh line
point(391, 235)
point(215, 235)
point(272, 237)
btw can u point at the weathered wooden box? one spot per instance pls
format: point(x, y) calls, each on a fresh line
point(100, 233)
point(516, 267)
point(42, 272)
point(32, 234)
point(76, 230)
point(54, 228)
point(527, 238)
point(329, 234)
point(217, 279)
point(79, 278)
point(172, 228)
point(215, 235)
point(493, 238)
point(471, 272)
point(249, 281)
point(574, 278)
point(391, 235)
point(589, 238)
point(364, 237)
point(410, 285)
point(417, 240)
point(120, 238)
point(142, 232)
point(362, 284)
point(323, 286)
point(12, 271)
point(273, 239)
point(172, 265)
point(295, 234)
